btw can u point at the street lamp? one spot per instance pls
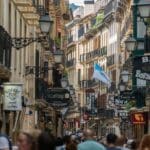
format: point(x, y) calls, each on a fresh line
point(72, 90)
point(144, 8)
point(45, 23)
point(64, 82)
point(122, 86)
point(130, 43)
point(125, 76)
point(58, 56)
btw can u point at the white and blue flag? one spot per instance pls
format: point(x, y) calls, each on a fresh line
point(101, 75)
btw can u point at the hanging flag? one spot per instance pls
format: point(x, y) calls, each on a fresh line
point(101, 75)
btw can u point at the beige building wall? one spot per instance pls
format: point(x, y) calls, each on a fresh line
point(18, 24)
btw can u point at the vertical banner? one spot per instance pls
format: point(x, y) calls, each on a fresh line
point(12, 96)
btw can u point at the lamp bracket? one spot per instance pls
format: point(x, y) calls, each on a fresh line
point(20, 42)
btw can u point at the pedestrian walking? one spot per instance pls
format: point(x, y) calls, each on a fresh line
point(60, 144)
point(121, 143)
point(5, 143)
point(90, 143)
point(46, 141)
point(145, 142)
point(72, 145)
point(26, 141)
point(111, 140)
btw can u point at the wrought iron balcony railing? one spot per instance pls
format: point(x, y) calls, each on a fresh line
point(95, 53)
point(109, 8)
point(88, 83)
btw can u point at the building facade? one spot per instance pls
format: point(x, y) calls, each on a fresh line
point(99, 37)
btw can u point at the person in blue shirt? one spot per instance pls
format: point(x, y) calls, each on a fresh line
point(90, 143)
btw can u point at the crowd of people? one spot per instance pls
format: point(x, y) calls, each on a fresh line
point(39, 140)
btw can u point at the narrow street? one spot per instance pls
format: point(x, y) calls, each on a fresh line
point(70, 66)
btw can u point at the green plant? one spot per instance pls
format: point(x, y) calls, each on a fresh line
point(99, 19)
point(65, 73)
point(57, 41)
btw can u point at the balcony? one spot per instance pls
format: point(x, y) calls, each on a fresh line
point(91, 83)
point(70, 63)
point(88, 83)
point(110, 60)
point(109, 8)
point(92, 54)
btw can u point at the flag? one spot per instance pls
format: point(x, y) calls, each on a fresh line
point(101, 75)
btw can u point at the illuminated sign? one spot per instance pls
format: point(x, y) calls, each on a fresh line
point(138, 118)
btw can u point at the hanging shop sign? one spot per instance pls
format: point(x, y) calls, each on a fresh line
point(138, 118)
point(58, 97)
point(140, 75)
point(12, 96)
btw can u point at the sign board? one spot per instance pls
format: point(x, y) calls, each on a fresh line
point(141, 75)
point(12, 96)
point(138, 118)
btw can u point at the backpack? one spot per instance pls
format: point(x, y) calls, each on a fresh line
point(9, 142)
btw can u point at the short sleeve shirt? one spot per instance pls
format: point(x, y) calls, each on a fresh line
point(90, 145)
point(4, 143)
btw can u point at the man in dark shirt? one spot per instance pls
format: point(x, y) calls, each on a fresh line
point(111, 142)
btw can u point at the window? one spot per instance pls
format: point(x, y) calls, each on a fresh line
point(9, 17)
point(113, 72)
point(79, 76)
point(45, 69)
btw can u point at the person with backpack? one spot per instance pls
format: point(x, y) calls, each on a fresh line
point(5, 143)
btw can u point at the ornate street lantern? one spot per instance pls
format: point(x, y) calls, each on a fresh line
point(144, 8)
point(125, 76)
point(130, 44)
point(58, 55)
point(64, 82)
point(72, 90)
point(45, 23)
point(122, 86)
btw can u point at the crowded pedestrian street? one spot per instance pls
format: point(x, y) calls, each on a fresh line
point(74, 74)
